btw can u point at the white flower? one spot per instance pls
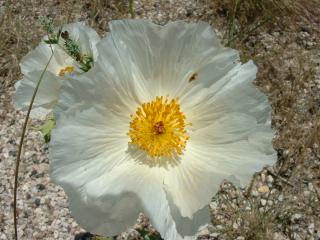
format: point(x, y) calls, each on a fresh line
point(165, 116)
point(58, 70)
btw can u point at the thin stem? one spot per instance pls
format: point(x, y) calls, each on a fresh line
point(131, 8)
point(21, 144)
point(241, 36)
point(232, 21)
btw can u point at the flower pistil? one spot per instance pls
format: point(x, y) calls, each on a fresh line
point(158, 128)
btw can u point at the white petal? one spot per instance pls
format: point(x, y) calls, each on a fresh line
point(227, 148)
point(106, 187)
point(97, 128)
point(47, 94)
point(169, 55)
point(83, 148)
point(234, 93)
point(37, 59)
point(141, 60)
point(237, 93)
point(109, 81)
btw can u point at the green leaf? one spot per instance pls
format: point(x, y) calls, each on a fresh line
point(153, 237)
point(46, 129)
point(72, 48)
point(51, 41)
point(47, 23)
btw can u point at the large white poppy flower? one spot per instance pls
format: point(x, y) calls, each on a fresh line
point(166, 114)
point(58, 70)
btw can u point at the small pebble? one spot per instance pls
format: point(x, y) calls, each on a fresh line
point(37, 202)
point(263, 189)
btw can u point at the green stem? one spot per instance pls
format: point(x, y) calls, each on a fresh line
point(20, 147)
point(232, 21)
point(131, 8)
point(63, 48)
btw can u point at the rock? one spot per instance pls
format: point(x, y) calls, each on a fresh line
point(263, 202)
point(235, 225)
point(306, 193)
point(306, 29)
point(189, 12)
point(280, 198)
point(204, 232)
point(34, 172)
point(296, 217)
point(255, 193)
point(311, 228)
point(240, 238)
point(37, 202)
point(279, 236)
point(41, 187)
point(214, 235)
point(13, 153)
point(213, 205)
point(263, 189)
point(263, 177)
point(270, 179)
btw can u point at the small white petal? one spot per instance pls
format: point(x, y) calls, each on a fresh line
point(47, 93)
point(37, 59)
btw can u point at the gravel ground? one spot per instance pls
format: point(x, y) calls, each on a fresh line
point(282, 202)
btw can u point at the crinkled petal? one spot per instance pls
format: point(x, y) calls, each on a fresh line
point(86, 37)
point(143, 60)
point(234, 93)
point(37, 59)
point(232, 147)
point(109, 81)
point(46, 97)
point(237, 93)
point(169, 55)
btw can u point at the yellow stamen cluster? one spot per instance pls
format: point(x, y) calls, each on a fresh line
point(158, 128)
point(66, 70)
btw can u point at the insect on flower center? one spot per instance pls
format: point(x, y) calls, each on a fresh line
point(158, 128)
point(66, 70)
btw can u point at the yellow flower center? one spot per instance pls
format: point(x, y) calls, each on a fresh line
point(158, 128)
point(66, 70)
